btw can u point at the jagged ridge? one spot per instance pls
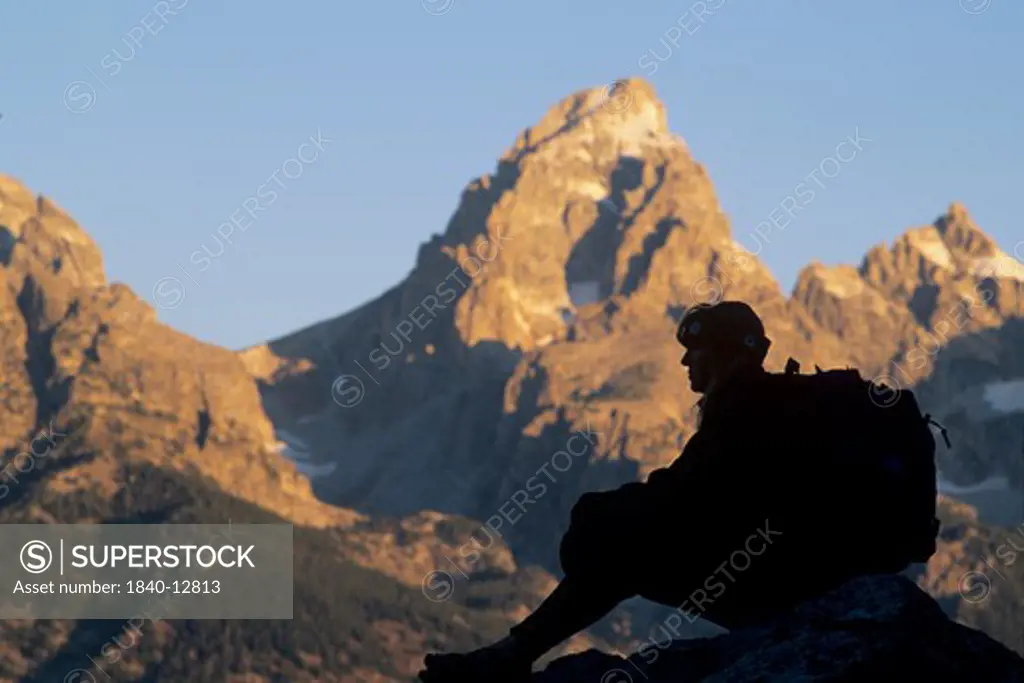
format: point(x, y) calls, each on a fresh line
point(559, 273)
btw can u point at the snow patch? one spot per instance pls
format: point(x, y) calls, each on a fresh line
point(841, 285)
point(841, 282)
point(584, 292)
point(595, 191)
point(990, 484)
point(931, 246)
point(292, 440)
point(296, 450)
point(641, 130)
point(541, 306)
point(1006, 397)
point(1001, 265)
point(313, 470)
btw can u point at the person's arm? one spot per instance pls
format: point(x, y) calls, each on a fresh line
point(684, 482)
point(725, 450)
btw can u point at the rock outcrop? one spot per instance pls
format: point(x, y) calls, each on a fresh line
point(879, 628)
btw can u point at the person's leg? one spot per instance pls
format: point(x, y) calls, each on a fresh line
point(587, 593)
point(574, 605)
point(601, 530)
point(570, 608)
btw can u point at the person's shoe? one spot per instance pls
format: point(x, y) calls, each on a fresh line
point(491, 664)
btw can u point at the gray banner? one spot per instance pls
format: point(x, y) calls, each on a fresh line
point(157, 571)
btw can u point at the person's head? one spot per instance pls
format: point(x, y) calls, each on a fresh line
point(719, 339)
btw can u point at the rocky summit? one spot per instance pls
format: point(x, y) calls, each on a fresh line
point(428, 444)
point(546, 307)
point(539, 324)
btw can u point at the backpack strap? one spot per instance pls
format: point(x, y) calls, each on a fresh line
point(942, 430)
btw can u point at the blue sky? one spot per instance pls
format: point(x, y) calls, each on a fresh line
point(189, 113)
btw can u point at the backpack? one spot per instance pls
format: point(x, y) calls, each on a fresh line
point(871, 455)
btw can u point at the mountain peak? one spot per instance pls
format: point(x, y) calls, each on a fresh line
point(625, 117)
point(962, 234)
point(952, 248)
point(957, 211)
point(595, 203)
point(14, 191)
point(41, 243)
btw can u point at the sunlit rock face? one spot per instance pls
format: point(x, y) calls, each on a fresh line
point(544, 311)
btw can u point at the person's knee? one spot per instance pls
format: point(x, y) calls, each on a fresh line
point(573, 551)
point(608, 508)
point(585, 547)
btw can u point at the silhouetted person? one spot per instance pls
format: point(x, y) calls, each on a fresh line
point(727, 532)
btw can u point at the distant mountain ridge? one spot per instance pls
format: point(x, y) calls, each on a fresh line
point(595, 230)
point(573, 260)
point(531, 344)
point(111, 416)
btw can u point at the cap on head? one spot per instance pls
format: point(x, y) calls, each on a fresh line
point(731, 325)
